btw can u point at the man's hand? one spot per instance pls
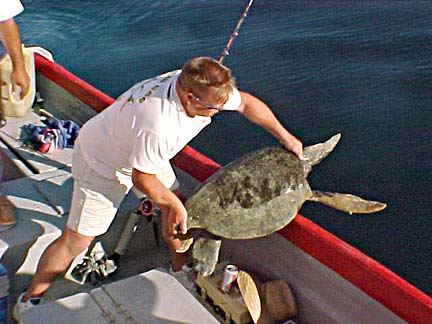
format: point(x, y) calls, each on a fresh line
point(173, 221)
point(20, 78)
point(173, 212)
point(294, 145)
point(177, 220)
point(10, 37)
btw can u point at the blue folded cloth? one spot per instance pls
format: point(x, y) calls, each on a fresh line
point(55, 136)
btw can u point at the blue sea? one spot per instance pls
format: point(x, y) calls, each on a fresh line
point(359, 68)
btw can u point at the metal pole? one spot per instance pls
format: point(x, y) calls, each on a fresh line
point(225, 51)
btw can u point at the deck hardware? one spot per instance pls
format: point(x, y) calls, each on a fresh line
point(94, 267)
point(145, 208)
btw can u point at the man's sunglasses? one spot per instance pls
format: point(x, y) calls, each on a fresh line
point(207, 106)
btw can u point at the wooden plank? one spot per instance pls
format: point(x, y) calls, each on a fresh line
point(230, 305)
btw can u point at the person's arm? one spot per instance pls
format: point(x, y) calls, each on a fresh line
point(11, 40)
point(260, 114)
point(167, 201)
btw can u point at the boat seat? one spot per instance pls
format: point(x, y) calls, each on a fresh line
point(150, 297)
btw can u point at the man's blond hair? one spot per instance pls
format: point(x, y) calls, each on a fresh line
point(205, 76)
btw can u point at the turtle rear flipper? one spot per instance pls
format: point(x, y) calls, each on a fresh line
point(347, 203)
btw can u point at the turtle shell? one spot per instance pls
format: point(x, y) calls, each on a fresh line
point(252, 196)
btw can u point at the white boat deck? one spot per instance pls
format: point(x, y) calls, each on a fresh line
point(151, 297)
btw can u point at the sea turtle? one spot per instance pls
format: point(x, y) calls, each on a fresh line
point(256, 195)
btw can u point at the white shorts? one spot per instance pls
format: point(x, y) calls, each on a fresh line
point(96, 199)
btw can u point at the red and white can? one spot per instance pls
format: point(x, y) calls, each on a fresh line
point(229, 276)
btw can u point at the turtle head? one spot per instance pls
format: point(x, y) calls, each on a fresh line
point(186, 241)
point(314, 154)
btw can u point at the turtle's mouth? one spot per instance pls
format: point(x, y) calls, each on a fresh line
point(186, 241)
point(183, 237)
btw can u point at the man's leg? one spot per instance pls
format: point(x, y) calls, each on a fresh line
point(7, 215)
point(94, 204)
point(55, 260)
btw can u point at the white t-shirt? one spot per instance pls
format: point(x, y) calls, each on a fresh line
point(8, 10)
point(143, 129)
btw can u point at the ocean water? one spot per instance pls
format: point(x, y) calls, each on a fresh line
point(360, 68)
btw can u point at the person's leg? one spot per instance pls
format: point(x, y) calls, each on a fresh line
point(94, 204)
point(7, 213)
point(90, 215)
point(55, 260)
point(7, 210)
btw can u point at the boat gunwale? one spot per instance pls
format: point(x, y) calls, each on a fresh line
point(374, 279)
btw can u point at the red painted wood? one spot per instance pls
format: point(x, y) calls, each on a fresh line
point(78, 88)
point(402, 298)
point(196, 164)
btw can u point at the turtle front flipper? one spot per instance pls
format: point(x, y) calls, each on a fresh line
point(205, 255)
point(347, 203)
point(314, 154)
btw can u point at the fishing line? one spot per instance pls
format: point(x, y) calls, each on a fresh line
point(225, 51)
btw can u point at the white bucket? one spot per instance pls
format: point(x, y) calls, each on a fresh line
point(12, 104)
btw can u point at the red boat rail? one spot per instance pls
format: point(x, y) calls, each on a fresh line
point(79, 88)
point(402, 298)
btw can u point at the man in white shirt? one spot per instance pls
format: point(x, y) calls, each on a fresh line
point(130, 144)
point(10, 38)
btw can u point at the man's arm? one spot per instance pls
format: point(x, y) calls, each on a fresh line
point(11, 40)
point(167, 201)
point(260, 114)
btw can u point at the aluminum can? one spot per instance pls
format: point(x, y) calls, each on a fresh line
point(229, 276)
